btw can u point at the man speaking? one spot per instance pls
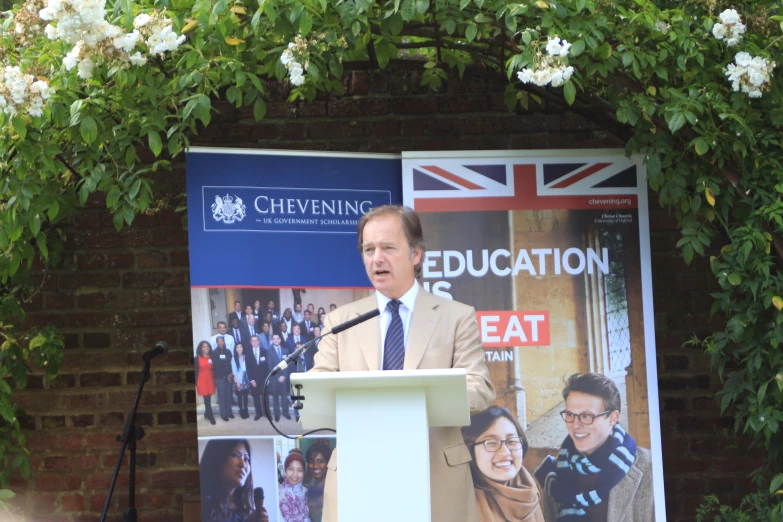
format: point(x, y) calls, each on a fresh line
point(415, 330)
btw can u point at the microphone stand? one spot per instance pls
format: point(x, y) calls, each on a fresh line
point(129, 436)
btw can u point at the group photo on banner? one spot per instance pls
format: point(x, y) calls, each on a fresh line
point(538, 263)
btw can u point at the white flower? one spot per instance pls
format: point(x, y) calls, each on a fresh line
point(85, 69)
point(553, 46)
point(732, 42)
point(742, 58)
point(719, 31)
point(138, 59)
point(729, 16)
point(297, 80)
point(287, 57)
point(525, 75)
point(141, 20)
point(662, 26)
point(3, 103)
point(565, 48)
point(737, 30)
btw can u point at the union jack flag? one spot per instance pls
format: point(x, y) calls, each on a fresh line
point(443, 185)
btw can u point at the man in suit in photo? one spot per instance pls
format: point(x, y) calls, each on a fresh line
point(240, 332)
point(416, 330)
point(272, 310)
point(265, 337)
point(279, 385)
point(308, 325)
point(295, 338)
point(257, 371)
point(298, 315)
point(283, 332)
point(309, 354)
point(223, 332)
point(251, 326)
point(236, 313)
point(288, 320)
point(248, 313)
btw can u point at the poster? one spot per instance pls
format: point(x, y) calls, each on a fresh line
point(273, 247)
point(552, 249)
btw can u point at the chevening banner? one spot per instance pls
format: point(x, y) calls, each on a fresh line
point(552, 249)
point(273, 248)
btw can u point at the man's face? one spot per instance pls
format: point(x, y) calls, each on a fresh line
point(248, 310)
point(283, 327)
point(589, 437)
point(268, 317)
point(298, 308)
point(234, 323)
point(297, 330)
point(222, 328)
point(387, 256)
point(271, 305)
point(311, 307)
point(266, 327)
point(254, 341)
point(251, 320)
point(307, 315)
point(237, 306)
point(276, 340)
point(316, 331)
point(287, 313)
point(332, 307)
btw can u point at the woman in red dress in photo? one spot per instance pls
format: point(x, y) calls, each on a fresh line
point(205, 377)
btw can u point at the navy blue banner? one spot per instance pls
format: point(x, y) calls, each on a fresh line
point(259, 219)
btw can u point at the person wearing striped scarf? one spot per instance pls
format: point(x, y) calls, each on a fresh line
point(600, 475)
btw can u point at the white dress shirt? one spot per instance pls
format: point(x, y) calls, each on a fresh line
point(406, 312)
point(229, 342)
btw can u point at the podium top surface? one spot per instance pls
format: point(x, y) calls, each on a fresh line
point(446, 393)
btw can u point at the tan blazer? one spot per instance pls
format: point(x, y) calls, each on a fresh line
point(443, 334)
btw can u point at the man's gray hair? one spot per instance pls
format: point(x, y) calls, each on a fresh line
point(411, 225)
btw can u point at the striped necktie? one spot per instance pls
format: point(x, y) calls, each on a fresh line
point(394, 347)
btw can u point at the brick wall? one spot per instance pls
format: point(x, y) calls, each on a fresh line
point(116, 294)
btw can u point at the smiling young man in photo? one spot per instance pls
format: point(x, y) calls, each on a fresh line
point(415, 330)
point(600, 475)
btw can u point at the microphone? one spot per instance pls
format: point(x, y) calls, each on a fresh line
point(356, 320)
point(337, 329)
point(161, 347)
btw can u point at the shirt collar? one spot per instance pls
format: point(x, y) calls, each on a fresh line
point(408, 298)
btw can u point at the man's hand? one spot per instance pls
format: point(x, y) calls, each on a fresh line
point(253, 384)
point(264, 516)
point(281, 379)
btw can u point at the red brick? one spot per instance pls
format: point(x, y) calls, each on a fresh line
point(101, 441)
point(171, 479)
point(166, 378)
point(151, 259)
point(312, 109)
point(120, 260)
point(85, 462)
point(56, 463)
point(111, 419)
point(96, 340)
point(58, 301)
point(171, 438)
point(90, 261)
point(70, 503)
point(166, 418)
point(358, 107)
point(58, 482)
point(101, 379)
point(165, 317)
point(95, 300)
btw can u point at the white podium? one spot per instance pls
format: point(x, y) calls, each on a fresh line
point(382, 420)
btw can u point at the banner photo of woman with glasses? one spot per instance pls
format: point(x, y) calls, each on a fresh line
point(552, 249)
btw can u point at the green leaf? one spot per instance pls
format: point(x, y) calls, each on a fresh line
point(259, 109)
point(54, 209)
point(675, 121)
point(20, 126)
point(701, 145)
point(470, 32)
point(735, 279)
point(35, 226)
point(135, 186)
point(156, 146)
point(113, 196)
point(777, 481)
point(569, 92)
point(577, 48)
point(305, 23)
point(762, 392)
point(88, 129)
point(450, 25)
point(37, 341)
point(408, 10)
point(6, 494)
